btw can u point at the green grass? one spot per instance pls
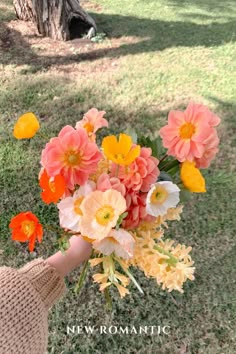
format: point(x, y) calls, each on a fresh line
point(158, 56)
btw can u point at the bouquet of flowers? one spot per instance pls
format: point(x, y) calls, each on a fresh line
point(119, 195)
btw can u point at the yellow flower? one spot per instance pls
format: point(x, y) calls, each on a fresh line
point(121, 152)
point(172, 214)
point(170, 265)
point(122, 290)
point(26, 126)
point(110, 275)
point(192, 178)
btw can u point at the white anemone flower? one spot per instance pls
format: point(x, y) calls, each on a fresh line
point(69, 207)
point(161, 197)
point(119, 241)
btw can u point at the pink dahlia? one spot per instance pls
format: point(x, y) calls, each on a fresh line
point(211, 149)
point(187, 133)
point(136, 208)
point(140, 174)
point(106, 182)
point(72, 155)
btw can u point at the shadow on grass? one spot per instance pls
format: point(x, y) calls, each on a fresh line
point(154, 36)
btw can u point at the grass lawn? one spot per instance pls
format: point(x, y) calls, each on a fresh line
point(157, 56)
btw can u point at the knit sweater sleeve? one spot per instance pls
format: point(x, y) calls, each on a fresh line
point(26, 296)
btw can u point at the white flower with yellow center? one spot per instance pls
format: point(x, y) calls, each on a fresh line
point(69, 207)
point(101, 211)
point(118, 241)
point(161, 197)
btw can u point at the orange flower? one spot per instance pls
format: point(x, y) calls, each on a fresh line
point(26, 227)
point(121, 152)
point(26, 126)
point(53, 187)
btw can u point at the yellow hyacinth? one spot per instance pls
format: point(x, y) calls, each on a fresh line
point(192, 178)
point(170, 265)
point(26, 126)
point(121, 151)
point(110, 275)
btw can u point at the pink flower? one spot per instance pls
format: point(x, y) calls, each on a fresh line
point(211, 149)
point(72, 155)
point(92, 121)
point(119, 241)
point(141, 174)
point(187, 134)
point(106, 182)
point(136, 208)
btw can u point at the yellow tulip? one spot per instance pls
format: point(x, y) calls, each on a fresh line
point(192, 178)
point(26, 126)
point(121, 152)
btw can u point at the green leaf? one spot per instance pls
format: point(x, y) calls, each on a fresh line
point(164, 176)
point(120, 220)
point(169, 165)
point(131, 131)
point(154, 144)
point(160, 149)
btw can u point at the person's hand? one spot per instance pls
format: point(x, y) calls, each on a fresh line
point(78, 252)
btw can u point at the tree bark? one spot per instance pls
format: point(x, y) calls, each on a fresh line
point(23, 9)
point(58, 19)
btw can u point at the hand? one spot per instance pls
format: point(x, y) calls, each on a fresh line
point(78, 252)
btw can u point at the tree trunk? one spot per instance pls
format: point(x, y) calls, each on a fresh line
point(23, 9)
point(58, 19)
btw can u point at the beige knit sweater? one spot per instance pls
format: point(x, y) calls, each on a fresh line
point(25, 298)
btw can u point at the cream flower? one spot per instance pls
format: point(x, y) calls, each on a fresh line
point(101, 211)
point(69, 207)
point(161, 197)
point(118, 241)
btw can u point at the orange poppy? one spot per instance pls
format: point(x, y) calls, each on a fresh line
point(53, 187)
point(26, 227)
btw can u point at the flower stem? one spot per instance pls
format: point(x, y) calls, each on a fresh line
point(131, 278)
point(163, 158)
point(82, 277)
point(172, 260)
point(108, 299)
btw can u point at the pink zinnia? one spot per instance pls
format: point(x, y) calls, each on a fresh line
point(141, 174)
point(72, 155)
point(92, 121)
point(136, 208)
point(187, 134)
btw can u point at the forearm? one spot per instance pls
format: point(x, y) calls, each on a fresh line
point(78, 252)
